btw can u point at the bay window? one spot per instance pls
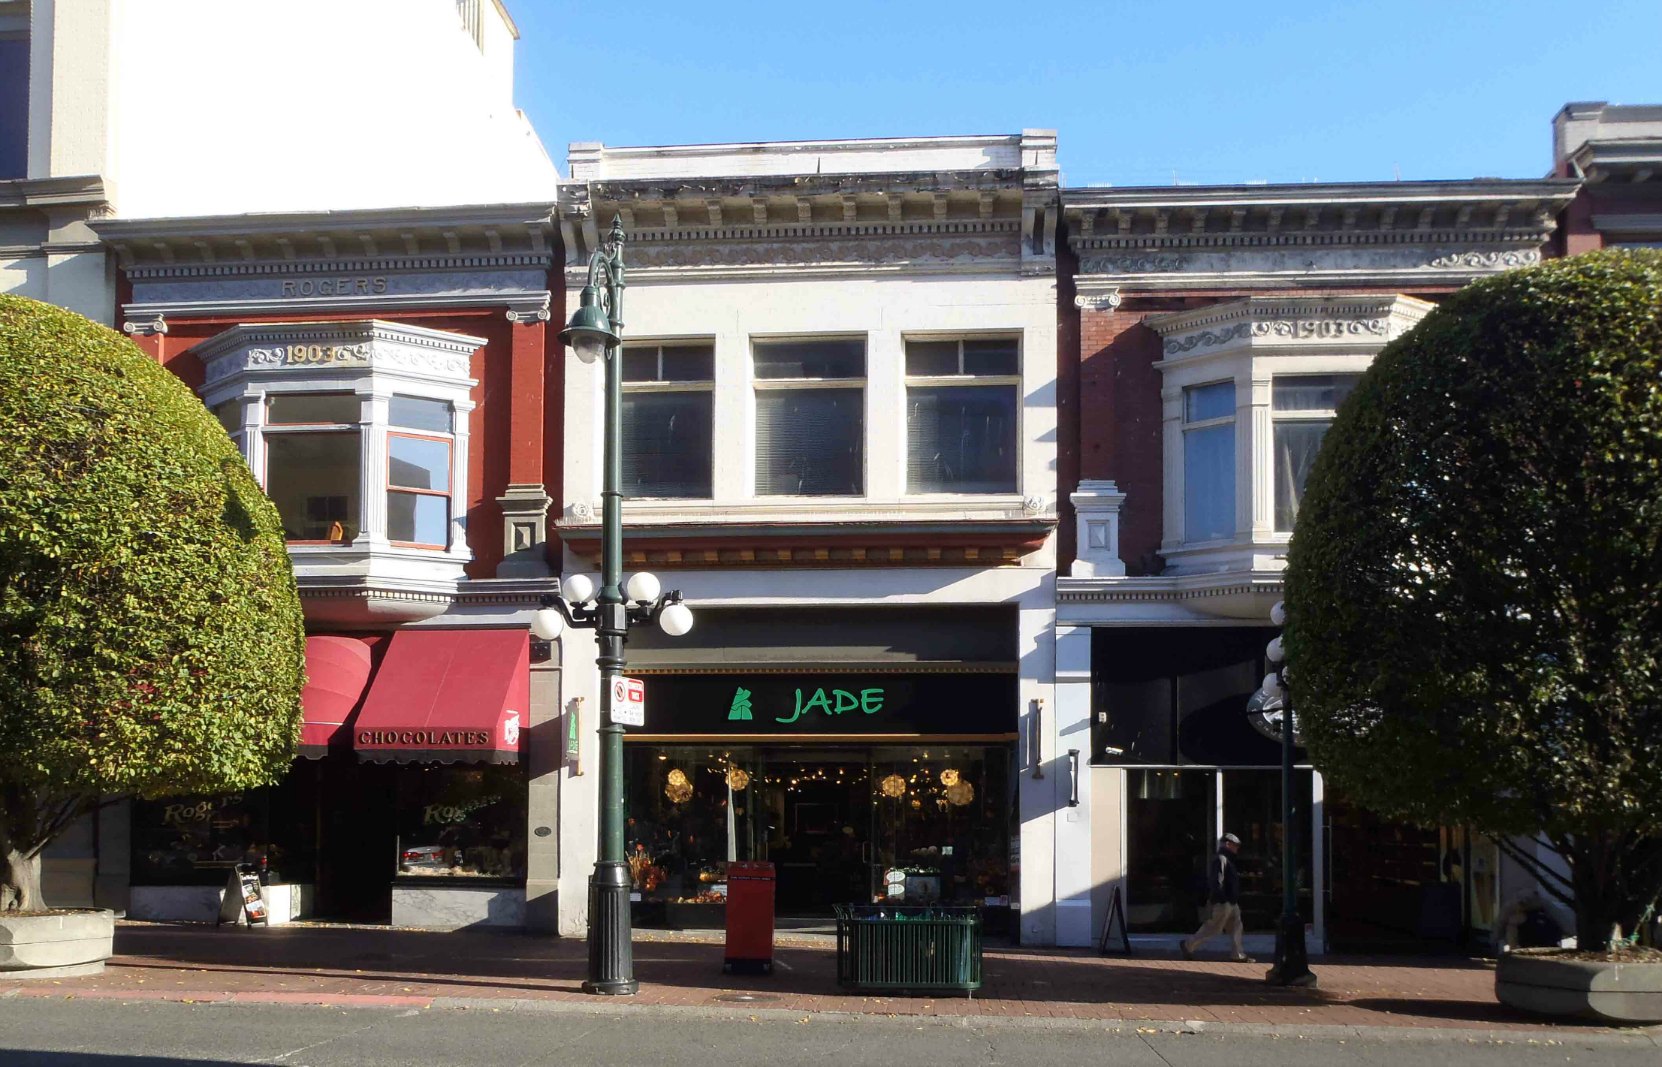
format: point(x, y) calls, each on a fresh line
point(810, 417)
point(667, 401)
point(1209, 461)
point(961, 415)
point(358, 432)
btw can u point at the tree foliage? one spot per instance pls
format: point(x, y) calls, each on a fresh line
point(150, 633)
point(1474, 588)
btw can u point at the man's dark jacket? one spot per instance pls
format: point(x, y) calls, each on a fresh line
point(1223, 879)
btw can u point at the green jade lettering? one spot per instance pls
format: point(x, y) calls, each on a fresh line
point(835, 702)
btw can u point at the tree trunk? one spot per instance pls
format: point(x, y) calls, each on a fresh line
point(19, 881)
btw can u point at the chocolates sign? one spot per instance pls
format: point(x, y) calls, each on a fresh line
point(425, 738)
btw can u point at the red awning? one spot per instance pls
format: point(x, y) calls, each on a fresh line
point(337, 670)
point(447, 696)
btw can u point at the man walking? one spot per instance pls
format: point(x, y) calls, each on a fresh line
point(1223, 893)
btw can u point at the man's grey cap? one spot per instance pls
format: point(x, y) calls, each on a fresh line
point(1232, 839)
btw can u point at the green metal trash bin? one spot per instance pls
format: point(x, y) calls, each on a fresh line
point(908, 949)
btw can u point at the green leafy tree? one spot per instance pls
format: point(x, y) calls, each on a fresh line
point(1474, 589)
point(150, 634)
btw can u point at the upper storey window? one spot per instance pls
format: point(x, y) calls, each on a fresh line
point(668, 393)
point(961, 415)
point(313, 459)
point(1209, 461)
point(1304, 406)
point(419, 471)
point(810, 417)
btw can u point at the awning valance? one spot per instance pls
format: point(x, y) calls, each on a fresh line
point(447, 696)
point(337, 670)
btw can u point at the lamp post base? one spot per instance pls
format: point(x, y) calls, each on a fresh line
point(1292, 961)
point(611, 949)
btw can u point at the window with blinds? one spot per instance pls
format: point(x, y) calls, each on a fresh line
point(667, 420)
point(961, 412)
point(810, 417)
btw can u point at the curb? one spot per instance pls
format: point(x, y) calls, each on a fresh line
point(1637, 1037)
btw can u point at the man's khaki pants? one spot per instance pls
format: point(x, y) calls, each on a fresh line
point(1225, 919)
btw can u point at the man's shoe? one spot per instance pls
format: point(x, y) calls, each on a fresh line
point(1183, 947)
point(1242, 959)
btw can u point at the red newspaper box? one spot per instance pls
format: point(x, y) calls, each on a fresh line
point(749, 918)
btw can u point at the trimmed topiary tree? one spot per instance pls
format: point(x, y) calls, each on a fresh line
point(150, 633)
point(1474, 589)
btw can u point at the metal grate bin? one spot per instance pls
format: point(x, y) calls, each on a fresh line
point(910, 949)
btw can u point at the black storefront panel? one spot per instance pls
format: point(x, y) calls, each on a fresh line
point(781, 706)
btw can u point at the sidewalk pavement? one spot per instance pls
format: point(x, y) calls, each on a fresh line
point(321, 964)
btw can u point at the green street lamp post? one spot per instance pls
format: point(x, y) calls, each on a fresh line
point(595, 333)
point(1292, 959)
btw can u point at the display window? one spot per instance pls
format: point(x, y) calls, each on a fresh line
point(914, 824)
point(463, 822)
point(198, 840)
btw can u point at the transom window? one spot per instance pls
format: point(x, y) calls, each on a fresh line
point(1209, 461)
point(961, 415)
point(1303, 406)
point(667, 403)
point(810, 417)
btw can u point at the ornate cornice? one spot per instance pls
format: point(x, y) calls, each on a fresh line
point(315, 346)
point(1274, 321)
point(1399, 234)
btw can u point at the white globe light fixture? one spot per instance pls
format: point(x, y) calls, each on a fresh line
point(547, 624)
point(676, 619)
point(644, 585)
point(1274, 652)
point(1278, 613)
point(578, 589)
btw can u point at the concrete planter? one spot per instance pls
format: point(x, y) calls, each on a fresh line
point(1534, 980)
point(67, 945)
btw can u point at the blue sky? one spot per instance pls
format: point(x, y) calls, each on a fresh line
point(1142, 93)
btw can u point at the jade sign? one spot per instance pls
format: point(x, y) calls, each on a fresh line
point(822, 700)
point(854, 704)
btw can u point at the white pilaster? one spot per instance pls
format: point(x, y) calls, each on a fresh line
point(372, 474)
point(1040, 775)
point(1074, 881)
point(1171, 451)
point(1096, 509)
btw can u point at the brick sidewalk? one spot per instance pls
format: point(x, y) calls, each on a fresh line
point(335, 965)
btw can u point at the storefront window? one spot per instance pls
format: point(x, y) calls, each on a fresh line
point(1171, 828)
point(920, 824)
point(199, 840)
point(461, 821)
point(1252, 812)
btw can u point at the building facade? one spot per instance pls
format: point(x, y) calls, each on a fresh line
point(1217, 331)
point(839, 421)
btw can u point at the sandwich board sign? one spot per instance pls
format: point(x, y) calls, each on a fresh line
point(628, 701)
point(242, 898)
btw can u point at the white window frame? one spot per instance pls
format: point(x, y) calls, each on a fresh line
point(705, 385)
point(1323, 416)
point(1232, 420)
point(760, 385)
point(964, 380)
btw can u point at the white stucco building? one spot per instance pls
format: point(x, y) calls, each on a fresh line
point(197, 107)
point(840, 375)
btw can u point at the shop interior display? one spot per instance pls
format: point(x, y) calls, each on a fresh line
point(839, 825)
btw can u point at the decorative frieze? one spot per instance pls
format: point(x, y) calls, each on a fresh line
point(1276, 321)
point(313, 347)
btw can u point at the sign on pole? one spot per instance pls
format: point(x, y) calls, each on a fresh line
point(628, 701)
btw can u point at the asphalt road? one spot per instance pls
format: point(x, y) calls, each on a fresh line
point(94, 1033)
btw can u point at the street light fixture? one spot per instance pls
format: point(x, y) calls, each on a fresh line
point(594, 333)
point(1270, 703)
